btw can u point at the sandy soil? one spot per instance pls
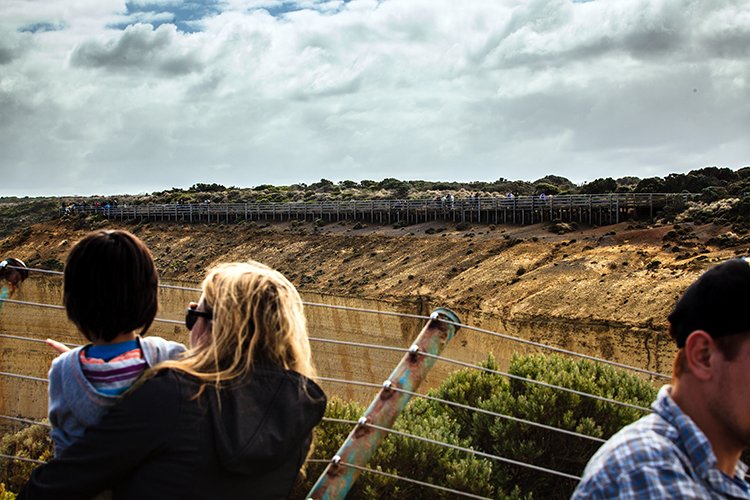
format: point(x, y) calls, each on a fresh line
point(628, 274)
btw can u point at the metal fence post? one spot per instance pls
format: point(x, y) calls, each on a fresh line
point(360, 445)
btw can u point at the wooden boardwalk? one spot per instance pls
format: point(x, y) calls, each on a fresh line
point(599, 209)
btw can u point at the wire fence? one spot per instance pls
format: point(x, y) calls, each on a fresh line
point(405, 350)
point(370, 385)
point(455, 404)
point(400, 478)
point(420, 317)
point(453, 446)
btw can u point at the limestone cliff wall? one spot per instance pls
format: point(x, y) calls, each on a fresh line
point(636, 346)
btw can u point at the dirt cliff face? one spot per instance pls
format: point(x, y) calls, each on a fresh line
point(602, 291)
point(612, 274)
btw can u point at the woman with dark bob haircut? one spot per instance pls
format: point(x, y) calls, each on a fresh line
point(232, 418)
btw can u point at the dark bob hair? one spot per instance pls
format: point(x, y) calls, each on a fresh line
point(110, 285)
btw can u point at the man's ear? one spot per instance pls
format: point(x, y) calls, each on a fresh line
point(699, 354)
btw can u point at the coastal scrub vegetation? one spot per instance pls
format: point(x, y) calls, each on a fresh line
point(711, 183)
point(715, 182)
point(493, 435)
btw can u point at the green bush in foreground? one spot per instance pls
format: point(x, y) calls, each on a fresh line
point(451, 468)
point(6, 495)
point(530, 444)
point(494, 435)
point(32, 442)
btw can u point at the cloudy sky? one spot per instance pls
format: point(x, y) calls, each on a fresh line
point(112, 96)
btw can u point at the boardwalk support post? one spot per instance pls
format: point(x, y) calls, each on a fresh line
point(360, 445)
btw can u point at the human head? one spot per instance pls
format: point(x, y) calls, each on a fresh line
point(110, 285)
point(715, 303)
point(13, 271)
point(711, 379)
point(257, 318)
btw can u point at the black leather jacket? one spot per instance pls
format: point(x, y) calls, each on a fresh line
point(247, 440)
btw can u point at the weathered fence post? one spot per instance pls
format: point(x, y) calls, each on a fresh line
point(360, 445)
point(650, 205)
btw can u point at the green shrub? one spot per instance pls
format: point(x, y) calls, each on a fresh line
point(458, 470)
point(403, 456)
point(31, 442)
point(552, 407)
point(5, 494)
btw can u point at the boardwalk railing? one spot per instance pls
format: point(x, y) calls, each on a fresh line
point(598, 209)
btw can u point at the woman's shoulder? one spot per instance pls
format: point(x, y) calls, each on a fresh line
point(166, 386)
point(168, 379)
point(291, 378)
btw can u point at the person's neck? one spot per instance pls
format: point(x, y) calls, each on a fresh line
point(123, 337)
point(693, 404)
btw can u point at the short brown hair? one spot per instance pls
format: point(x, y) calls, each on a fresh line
point(110, 285)
point(729, 347)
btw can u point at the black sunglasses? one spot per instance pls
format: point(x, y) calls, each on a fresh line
point(192, 315)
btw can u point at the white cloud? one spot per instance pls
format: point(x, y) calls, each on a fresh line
point(410, 89)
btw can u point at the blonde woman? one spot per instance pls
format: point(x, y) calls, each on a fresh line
point(232, 418)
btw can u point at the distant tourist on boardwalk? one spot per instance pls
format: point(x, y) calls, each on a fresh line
point(691, 445)
point(233, 418)
point(110, 288)
point(14, 272)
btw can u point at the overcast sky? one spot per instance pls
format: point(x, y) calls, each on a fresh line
point(109, 97)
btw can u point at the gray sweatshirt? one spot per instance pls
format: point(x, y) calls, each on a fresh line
point(75, 405)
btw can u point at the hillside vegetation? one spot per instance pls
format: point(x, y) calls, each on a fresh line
point(712, 183)
point(715, 182)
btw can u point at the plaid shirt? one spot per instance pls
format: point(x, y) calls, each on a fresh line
point(662, 455)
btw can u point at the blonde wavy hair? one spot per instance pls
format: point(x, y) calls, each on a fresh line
point(257, 317)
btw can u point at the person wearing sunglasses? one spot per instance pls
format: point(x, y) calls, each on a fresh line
point(231, 418)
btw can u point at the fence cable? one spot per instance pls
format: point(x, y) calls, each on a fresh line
point(351, 382)
point(24, 421)
point(504, 336)
point(53, 306)
point(455, 447)
point(25, 377)
point(34, 269)
point(34, 304)
point(359, 344)
point(400, 478)
point(447, 360)
point(467, 407)
point(560, 350)
point(31, 339)
point(60, 273)
point(533, 381)
point(22, 459)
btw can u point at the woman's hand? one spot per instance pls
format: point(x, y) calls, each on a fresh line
point(58, 346)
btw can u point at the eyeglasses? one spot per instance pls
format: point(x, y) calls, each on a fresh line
point(192, 315)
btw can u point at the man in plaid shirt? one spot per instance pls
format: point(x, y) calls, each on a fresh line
point(690, 446)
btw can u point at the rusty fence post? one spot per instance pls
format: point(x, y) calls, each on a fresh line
point(360, 445)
